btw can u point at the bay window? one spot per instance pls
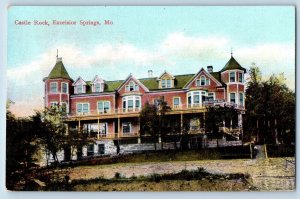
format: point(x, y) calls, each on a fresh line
point(196, 98)
point(131, 103)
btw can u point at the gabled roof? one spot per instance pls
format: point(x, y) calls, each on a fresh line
point(136, 80)
point(208, 74)
point(232, 64)
point(97, 79)
point(59, 71)
point(179, 82)
point(165, 73)
point(79, 79)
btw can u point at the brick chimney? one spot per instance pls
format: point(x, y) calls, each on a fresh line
point(150, 73)
point(210, 69)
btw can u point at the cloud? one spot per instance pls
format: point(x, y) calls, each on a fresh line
point(26, 88)
point(272, 58)
point(182, 46)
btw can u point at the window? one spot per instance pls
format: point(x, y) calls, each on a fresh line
point(90, 150)
point(97, 87)
point(232, 98)
point(79, 89)
point(196, 98)
point(126, 126)
point(103, 107)
point(101, 149)
point(131, 103)
point(166, 83)
point(53, 87)
point(163, 83)
point(176, 101)
point(232, 77)
point(83, 108)
point(132, 87)
point(241, 98)
point(202, 79)
point(207, 81)
point(64, 87)
point(103, 128)
point(210, 97)
point(241, 78)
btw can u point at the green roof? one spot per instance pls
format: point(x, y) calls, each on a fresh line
point(232, 64)
point(59, 71)
point(180, 81)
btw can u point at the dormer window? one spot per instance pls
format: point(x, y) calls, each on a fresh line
point(79, 89)
point(97, 84)
point(166, 80)
point(166, 83)
point(79, 86)
point(97, 87)
point(53, 87)
point(132, 86)
point(232, 77)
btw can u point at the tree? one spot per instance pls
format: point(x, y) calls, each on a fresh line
point(149, 121)
point(21, 146)
point(163, 108)
point(270, 108)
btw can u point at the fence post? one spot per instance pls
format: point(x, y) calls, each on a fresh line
point(266, 153)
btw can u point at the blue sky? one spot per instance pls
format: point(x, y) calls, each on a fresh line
point(180, 40)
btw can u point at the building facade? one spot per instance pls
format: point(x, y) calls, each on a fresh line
point(109, 110)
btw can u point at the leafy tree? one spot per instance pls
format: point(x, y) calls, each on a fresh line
point(21, 146)
point(270, 108)
point(149, 121)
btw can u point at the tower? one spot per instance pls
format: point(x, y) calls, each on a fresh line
point(58, 86)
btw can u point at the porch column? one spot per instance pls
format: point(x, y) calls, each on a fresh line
point(79, 127)
point(67, 129)
point(240, 124)
point(119, 127)
point(139, 130)
point(224, 126)
point(98, 133)
point(230, 124)
point(181, 123)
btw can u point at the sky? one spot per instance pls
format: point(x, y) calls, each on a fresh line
point(180, 40)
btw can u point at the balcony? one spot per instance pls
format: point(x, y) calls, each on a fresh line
point(134, 112)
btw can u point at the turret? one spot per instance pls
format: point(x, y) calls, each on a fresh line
point(232, 74)
point(58, 86)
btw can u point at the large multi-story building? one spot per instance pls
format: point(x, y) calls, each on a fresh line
point(109, 110)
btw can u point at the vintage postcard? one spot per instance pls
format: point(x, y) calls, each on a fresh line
point(163, 98)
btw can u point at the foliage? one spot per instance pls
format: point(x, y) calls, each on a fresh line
point(21, 146)
point(270, 108)
point(215, 115)
point(153, 119)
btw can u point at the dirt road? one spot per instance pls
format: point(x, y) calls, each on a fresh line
point(266, 174)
